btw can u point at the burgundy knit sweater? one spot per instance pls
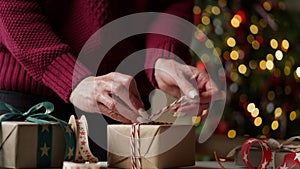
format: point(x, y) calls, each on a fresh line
point(40, 40)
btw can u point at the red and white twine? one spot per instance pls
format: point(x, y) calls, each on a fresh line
point(136, 160)
point(183, 101)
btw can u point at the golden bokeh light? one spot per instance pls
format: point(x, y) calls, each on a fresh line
point(267, 6)
point(251, 107)
point(285, 45)
point(257, 121)
point(231, 42)
point(235, 21)
point(269, 65)
point(279, 55)
point(277, 112)
point(234, 76)
point(262, 65)
point(275, 125)
point(255, 112)
point(215, 10)
point(293, 115)
point(253, 64)
point(205, 20)
point(255, 45)
point(287, 70)
point(242, 69)
point(298, 71)
point(231, 134)
point(271, 95)
point(250, 38)
point(274, 43)
point(270, 57)
point(234, 55)
point(254, 29)
point(196, 10)
point(266, 130)
point(222, 3)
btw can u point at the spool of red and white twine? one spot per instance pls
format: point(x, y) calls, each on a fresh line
point(84, 159)
point(136, 160)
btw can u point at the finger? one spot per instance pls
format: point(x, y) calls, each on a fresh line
point(112, 114)
point(107, 100)
point(135, 98)
point(128, 113)
point(128, 94)
point(208, 96)
point(188, 85)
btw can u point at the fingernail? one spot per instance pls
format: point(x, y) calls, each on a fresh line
point(143, 113)
point(142, 120)
point(193, 94)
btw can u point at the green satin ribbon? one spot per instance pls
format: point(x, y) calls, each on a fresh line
point(40, 114)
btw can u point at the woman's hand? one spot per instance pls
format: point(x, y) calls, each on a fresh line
point(178, 79)
point(114, 95)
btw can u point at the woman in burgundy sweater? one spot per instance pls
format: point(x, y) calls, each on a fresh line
point(40, 41)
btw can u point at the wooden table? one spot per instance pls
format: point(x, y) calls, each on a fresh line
point(200, 165)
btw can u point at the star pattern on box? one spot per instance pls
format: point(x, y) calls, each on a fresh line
point(68, 130)
point(45, 150)
point(70, 153)
point(45, 127)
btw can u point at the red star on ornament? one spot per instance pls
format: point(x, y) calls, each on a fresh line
point(284, 166)
point(245, 157)
point(265, 145)
point(83, 143)
point(297, 157)
point(250, 141)
point(265, 164)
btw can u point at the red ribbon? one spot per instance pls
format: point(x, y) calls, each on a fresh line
point(289, 161)
point(266, 150)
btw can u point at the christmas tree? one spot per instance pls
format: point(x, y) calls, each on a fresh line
point(257, 41)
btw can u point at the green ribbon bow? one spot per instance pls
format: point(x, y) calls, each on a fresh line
point(40, 114)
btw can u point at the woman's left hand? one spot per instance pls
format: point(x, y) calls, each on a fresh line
point(179, 79)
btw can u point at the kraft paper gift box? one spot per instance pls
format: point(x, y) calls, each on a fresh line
point(30, 145)
point(161, 146)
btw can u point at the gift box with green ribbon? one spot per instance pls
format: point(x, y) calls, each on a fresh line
point(34, 139)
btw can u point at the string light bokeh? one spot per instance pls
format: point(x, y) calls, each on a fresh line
point(257, 41)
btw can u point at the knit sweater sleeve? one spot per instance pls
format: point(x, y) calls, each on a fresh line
point(169, 47)
point(27, 34)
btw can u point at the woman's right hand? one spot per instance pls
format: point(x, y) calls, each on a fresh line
point(114, 95)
